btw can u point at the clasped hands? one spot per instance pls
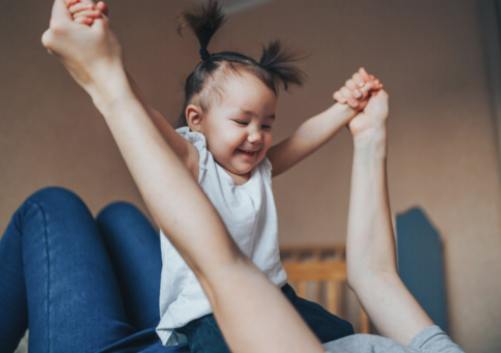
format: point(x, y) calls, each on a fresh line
point(89, 53)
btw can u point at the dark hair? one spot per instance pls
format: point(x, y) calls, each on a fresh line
point(274, 66)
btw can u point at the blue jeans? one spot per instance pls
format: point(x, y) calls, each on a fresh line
point(77, 283)
point(204, 335)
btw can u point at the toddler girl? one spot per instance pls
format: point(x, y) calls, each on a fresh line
point(225, 140)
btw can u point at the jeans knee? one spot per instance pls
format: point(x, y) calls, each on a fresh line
point(54, 195)
point(51, 208)
point(117, 210)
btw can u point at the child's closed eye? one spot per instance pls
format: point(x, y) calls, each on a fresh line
point(242, 122)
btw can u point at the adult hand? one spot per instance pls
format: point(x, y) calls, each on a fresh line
point(373, 117)
point(89, 53)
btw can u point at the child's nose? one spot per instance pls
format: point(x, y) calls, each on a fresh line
point(255, 136)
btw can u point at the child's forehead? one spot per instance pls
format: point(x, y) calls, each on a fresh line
point(242, 91)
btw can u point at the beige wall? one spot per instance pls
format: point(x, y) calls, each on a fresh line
point(442, 147)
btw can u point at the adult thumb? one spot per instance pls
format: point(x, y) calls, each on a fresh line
point(47, 40)
point(60, 13)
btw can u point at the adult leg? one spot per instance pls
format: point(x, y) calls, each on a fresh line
point(134, 248)
point(73, 299)
point(13, 307)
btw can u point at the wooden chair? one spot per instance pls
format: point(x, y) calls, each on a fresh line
point(319, 274)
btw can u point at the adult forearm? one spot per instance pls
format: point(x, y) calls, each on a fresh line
point(370, 242)
point(372, 271)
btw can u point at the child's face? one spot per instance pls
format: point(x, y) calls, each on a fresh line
point(238, 125)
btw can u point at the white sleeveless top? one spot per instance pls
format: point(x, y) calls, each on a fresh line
point(249, 213)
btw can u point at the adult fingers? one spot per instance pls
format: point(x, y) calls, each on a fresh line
point(90, 14)
point(79, 7)
point(101, 24)
point(59, 13)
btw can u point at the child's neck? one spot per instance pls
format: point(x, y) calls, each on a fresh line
point(239, 179)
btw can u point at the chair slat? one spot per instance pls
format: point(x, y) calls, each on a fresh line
point(326, 268)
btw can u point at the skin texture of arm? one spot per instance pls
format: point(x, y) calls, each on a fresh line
point(309, 137)
point(185, 150)
point(234, 286)
point(372, 271)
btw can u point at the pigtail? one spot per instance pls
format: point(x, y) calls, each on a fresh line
point(277, 61)
point(204, 22)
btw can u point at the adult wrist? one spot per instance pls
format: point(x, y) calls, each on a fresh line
point(371, 142)
point(110, 84)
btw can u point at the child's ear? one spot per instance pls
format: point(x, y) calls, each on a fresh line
point(194, 117)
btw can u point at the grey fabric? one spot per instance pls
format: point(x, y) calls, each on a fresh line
point(431, 340)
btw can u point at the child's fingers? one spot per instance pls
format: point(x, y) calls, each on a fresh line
point(103, 7)
point(364, 75)
point(85, 21)
point(349, 97)
point(353, 103)
point(339, 97)
point(71, 2)
point(357, 78)
point(351, 85)
point(346, 92)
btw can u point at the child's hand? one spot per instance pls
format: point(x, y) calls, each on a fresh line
point(357, 90)
point(86, 11)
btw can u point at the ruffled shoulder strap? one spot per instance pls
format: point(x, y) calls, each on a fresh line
point(266, 168)
point(198, 140)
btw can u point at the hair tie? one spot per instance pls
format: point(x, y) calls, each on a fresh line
point(204, 54)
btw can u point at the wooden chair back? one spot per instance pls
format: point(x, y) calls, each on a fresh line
point(319, 274)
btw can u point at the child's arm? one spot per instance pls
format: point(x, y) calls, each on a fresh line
point(372, 271)
point(319, 129)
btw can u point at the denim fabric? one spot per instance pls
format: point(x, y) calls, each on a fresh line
point(204, 335)
point(82, 285)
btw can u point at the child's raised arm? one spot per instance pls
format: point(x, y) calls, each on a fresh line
point(372, 271)
point(319, 129)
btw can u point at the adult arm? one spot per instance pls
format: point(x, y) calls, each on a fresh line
point(372, 270)
point(234, 286)
point(185, 150)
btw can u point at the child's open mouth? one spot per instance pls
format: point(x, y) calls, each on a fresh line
point(247, 153)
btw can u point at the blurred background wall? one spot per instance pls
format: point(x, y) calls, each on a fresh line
point(431, 55)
